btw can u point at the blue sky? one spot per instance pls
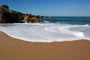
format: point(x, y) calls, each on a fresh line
point(50, 7)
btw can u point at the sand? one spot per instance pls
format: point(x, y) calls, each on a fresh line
point(14, 49)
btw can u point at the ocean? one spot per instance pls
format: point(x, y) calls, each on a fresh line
point(68, 20)
point(51, 29)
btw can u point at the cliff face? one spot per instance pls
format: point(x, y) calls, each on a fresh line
point(12, 16)
point(8, 16)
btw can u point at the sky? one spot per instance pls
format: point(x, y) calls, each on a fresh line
point(50, 7)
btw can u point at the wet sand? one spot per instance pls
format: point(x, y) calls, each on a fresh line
point(14, 49)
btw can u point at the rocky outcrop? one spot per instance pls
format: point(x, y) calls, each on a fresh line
point(11, 16)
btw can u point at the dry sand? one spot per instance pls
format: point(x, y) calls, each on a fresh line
point(14, 49)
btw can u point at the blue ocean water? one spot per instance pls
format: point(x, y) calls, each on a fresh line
point(68, 20)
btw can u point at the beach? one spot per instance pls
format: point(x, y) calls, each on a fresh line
point(14, 49)
point(44, 30)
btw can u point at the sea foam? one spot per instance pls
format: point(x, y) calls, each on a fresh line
point(46, 32)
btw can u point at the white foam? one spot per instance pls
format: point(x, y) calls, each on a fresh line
point(46, 32)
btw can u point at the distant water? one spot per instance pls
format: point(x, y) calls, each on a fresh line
point(68, 20)
point(53, 29)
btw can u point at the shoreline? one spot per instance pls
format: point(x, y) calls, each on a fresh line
point(46, 33)
point(15, 49)
point(22, 39)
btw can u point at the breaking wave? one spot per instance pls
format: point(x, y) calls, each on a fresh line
point(46, 32)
